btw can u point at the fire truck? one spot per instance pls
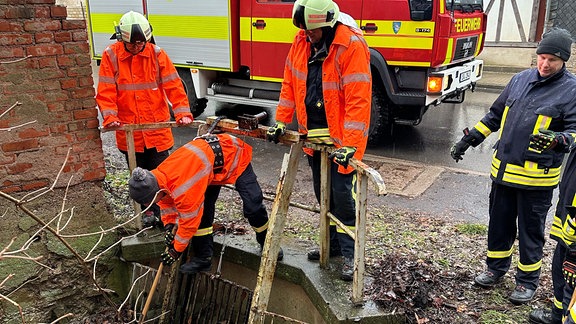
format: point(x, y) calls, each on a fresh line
point(423, 52)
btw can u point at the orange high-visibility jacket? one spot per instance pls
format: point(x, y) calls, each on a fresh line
point(133, 89)
point(346, 86)
point(186, 174)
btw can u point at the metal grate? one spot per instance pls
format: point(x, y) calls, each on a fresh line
point(208, 299)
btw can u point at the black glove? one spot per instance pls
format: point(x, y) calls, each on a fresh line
point(343, 155)
point(169, 235)
point(458, 150)
point(547, 140)
point(275, 132)
point(569, 268)
point(170, 256)
point(149, 219)
point(471, 138)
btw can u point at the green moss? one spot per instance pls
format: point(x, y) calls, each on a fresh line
point(472, 229)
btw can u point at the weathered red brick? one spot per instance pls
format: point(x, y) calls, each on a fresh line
point(15, 39)
point(85, 81)
point(85, 114)
point(42, 12)
point(18, 146)
point(80, 35)
point(45, 50)
point(32, 133)
point(14, 12)
point(46, 37)
point(76, 48)
point(11, 189)
point(73, 24)
point(12, 52)
point(92, 123)
point(58, 12)
point(47, 62)
point(11, 26)
point(62, 36)
point(66, 60)
point(36, 25)
point(19, 168)
point(82, 93)
point(34, 185)
point(68, 83)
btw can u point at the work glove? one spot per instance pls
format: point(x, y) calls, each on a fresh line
point(458, 149)
point(168, 234)
point(342, 155)
point(471, 138)
point(547, 140)
point(569, 268)
point(170, 256)
point(275, 132)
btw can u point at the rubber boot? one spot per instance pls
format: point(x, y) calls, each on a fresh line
point(196, 265)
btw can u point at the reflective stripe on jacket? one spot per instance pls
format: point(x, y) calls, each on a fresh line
point(524, 106)
point(186, 174)
point(566, 198)
point(133, 89)
point(346, 84)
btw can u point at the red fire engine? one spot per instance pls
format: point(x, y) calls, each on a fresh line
point(423, 52)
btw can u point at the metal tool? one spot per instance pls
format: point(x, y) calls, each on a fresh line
point(250, 122)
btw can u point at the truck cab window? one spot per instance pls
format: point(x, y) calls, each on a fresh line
point(421, 10)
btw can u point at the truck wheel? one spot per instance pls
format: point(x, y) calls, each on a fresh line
point(381, 123)
point(197, 106)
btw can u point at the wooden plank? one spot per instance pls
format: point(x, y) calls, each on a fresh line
point(360, 239)
point(275, 229)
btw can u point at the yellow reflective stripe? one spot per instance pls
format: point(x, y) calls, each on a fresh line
point(530, 169)
point(478, 45)
point(204, 231)
point(318, 132)
point(409, 63)
point(354, 180)
point(483, 129)
point(449, 49)
point(332, 223)
point(266, 79)
point(211, 27)
point(574, 202)
point(352, 228)
point(530, 181)
point(530, 267)
point(541, 122)
point(503, 121)
point(278, 30)
point(261, 228)
point(399, 42)
point(500, 254)
point(557, 303)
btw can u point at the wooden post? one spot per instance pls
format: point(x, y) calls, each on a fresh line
point(324, 239)
point(360, 238)
point(275, 227)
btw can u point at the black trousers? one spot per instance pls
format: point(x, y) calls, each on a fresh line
point(252, 207)
point(562, 291)
point(512, 211)
point(150, 159)
point(342, 202)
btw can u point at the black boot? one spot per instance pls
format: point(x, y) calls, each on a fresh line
point(545, 316)
point(347, 273)
point(314, 255)
point(261, 238)
point(196, 265)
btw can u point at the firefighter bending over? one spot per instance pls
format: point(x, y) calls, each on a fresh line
point(135, 80)
point(187, 185)
point(327, 83)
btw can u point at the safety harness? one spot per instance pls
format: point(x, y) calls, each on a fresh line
point(214, 144)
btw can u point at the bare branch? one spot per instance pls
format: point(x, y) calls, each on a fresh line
point(62, 317)
point(15, 304)
point(24, 200)
point(113, 245)
point(132, 288)
point(16, 61)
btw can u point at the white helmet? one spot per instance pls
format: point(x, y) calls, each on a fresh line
point(312, 14)
point(134, 27)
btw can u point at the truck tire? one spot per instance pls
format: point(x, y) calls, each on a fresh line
point(381, 122)
point(197, 106)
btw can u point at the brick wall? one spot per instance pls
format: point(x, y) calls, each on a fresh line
point(55, 88)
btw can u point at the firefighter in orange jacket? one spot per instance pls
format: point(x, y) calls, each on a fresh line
point(135, 79)
point(327, 83)
point(186, 186)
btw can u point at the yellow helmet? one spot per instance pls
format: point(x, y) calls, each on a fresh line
point(312, 14)
point(133, 27)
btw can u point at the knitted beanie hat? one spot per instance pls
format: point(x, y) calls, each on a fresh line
point(557, 42)
point(143, 186)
